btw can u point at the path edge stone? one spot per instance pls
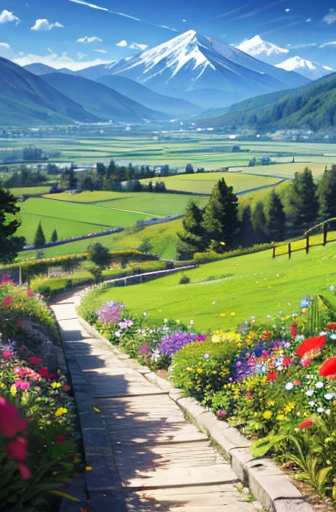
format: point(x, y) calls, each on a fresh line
point(266, 481)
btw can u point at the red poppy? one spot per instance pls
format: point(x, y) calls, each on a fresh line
point(44, 372)
point(328, 369)
point(331, 327)
point(306, 424)
point(10, 421)
point(24, 471)
point(313, 344)
point(17, 449)
point(272, 376)
point(294, 329)
point(6, 354)
point(35, 360)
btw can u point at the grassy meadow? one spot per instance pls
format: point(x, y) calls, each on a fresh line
point(225, 293)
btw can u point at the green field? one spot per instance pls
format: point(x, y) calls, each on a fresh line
point(29, 190)
point(223, 294)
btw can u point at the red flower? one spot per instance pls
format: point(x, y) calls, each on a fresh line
point(44, 372)
point(30, 293)
point(60, 439)
point(305, 362)
point(306, 424)
point(6, 354)
point(272, 376)
point(249, 395)
point(313, 344)
point(294, 329)
point(7, 301)
point(10, 421)
point(17, 449)
point(20, 324)
point(35, 360)
point(331, 327)
point(297, 383)
point(328, 369)
point(24, 471)
point(66, 387)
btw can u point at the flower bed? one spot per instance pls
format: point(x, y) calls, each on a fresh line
point(37, 414)
point(274, 381)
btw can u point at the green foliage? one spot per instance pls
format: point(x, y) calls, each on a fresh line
point(40, 238)
point(193, 237)
point(303, 204)
point(184, 280)
point(54, 236)
point(327, 194)
point(259, 223)
point(146, 246)
point(276, 222)
point(10, 244)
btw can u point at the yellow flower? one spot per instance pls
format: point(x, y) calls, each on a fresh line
point(13, 390)
point(222, 315)
point(56, 385)
point(199, 370)
point(289, 407)
point(189, 369)
point(96, 409)
point(304, 310)
point(280, 417)
point(88, 468)
point(270, 403)
point(60, 411)
point(214, 372)
point(232, 313)
point(267, 415)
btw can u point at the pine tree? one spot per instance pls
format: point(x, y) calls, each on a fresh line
point(221, 215)
point(54, 236)
point(276, 223)
point(39, 239)
point(259, 224)
point(327, 195)
point(192, 239)
point(303, 202)
point(247, 238)
point(10, 245)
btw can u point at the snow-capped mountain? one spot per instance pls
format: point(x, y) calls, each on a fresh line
point(263, 50)
point(307, 68)
point(202, 70)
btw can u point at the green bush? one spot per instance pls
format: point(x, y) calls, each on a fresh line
point(201, 369)
point(185, 280)
point(208, 257)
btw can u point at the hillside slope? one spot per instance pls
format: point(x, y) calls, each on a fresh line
point(27, 100)
point(312, 106)
point(101, 101)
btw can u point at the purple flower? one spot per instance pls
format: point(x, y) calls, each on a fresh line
point(177, 340)
point(144, 349)
point(125, 324)
point(110, 313)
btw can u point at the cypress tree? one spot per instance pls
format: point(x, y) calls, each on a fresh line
point(192, 239)
point(247, 237)
point(39, 239)
point(221, 215)
point(276, 223)
point(10, 244)
point(327, 195)
point(259, 223)
point(303, 202)
point(54, 236)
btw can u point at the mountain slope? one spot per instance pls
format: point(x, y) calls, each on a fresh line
point(307, 68)
point(312, 106)
point(37, 68)
point(263, 50)
point(27, 100)
point(202, 70)
point(100, 100)
point(171, 106)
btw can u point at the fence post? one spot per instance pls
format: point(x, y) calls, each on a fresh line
point(289, 251)
point(307, 244)
point(325, 234)
point(274, 248)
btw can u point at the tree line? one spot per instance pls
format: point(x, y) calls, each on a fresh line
point(222, 226)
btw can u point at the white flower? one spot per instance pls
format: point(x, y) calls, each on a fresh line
point(327, 411)
point(323, 333)
point(289, 386)
point(156, 355)
point(191, 322)
point(165, 320)
point(145, 314)
point(320, 410)
point(213, 302)
point(299, 337)
point(329, 396)
point(117, 334)
point(331, 287)
point(319, 385)
point(333, 336)
point(310, 392)
point(312, 403)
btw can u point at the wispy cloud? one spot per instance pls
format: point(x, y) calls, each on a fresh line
point(57, 61)
point(100, 51)
point(117, 13)
point(229, 13)
point(257, 11)
point(303, 45)
point(133, 46)
point(8, 17)
point(43, 24)
point(89, 39)
point(330, 44)
point(281, 27)
point(330, 18)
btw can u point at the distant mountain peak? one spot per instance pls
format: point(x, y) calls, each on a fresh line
point(258, 47)
point(307, 68)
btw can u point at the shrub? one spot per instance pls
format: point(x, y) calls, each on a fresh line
point(185, 280)
point(203, 368)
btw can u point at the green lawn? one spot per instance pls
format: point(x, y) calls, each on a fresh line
point(29, 190)
point(237, 288)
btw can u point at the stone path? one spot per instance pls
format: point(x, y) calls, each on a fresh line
point(159, 461)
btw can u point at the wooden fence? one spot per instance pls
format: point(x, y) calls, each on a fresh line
point(308, 240)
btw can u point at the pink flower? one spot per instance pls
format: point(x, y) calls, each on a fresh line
point(7, 300)
point(22, 384)
point(306, 424)
point(10, 421)
point(297, 383)
point(24, 471)
point(221, 413)
point(5, 279)
point(60, 439)
point(30, 293)
point(17, 449)
point(35, 360)
point(6, 354)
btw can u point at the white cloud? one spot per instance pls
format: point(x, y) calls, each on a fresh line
point(7, 17)
point(329, 44)
point(57, 61)
point(89, 39)
point(330, 18)
point(303, 45)
point(132, 46)
point(43, 24)
point(100, 51)
point(6, 51)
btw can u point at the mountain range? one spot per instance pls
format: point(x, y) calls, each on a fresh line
point(312, 106)
point(309, 69)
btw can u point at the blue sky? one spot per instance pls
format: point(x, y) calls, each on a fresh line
point(77, 33)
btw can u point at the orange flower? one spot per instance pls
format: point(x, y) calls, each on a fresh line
point(311, 345)
point(328, 369)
